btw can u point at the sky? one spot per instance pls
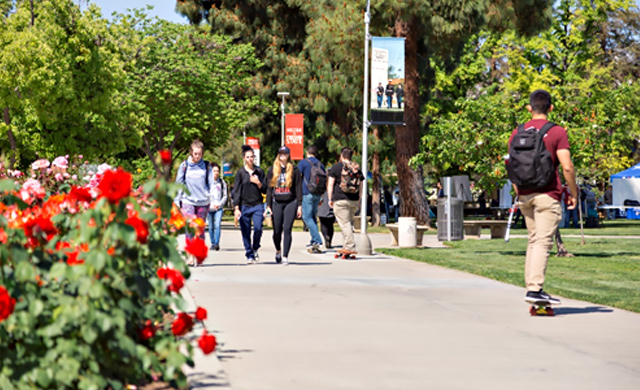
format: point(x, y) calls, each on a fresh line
point(395, 46)
point(164, 9)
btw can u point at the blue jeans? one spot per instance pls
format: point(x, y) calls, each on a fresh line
point(215, 220)
point(309, 214)
point(379, 101)
point(248, 214)
point(389, 99)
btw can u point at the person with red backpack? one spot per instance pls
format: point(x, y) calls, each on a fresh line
point(344, 189)
point(536, 149)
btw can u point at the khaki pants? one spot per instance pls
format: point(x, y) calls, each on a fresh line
point(345, 211)
point(542, 214)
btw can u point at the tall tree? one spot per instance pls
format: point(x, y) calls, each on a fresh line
point(182, 84)
point(58, 76)
point(283, 30)
point(483, 99)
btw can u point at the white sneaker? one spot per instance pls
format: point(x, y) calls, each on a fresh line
point(257, 257)
point(250, 261)
point(285, 261)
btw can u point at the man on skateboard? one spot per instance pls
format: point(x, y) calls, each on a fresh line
point(539, 198)
point(343, 189)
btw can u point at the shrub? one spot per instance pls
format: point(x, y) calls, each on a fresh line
point(90, 310)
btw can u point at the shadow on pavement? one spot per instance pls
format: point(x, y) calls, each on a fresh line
point(561, 311)
point(200, 380)
point(226, 354)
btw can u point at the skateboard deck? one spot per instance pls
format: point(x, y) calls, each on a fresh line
point(345, 255)
point(541, 308)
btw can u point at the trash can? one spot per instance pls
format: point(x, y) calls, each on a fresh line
point(457, 219)
point(407, 237)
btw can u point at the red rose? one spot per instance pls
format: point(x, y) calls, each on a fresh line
point(197, 248)
point(182, 324)
point(6, 303)
point(141, 227)
point(201, 314)
point(147, 331)
point(207, 343)
point(174, 277)
point(80, 194)
point(72, 258)
point(115, 185)
point(165, 156)
point(39, 229)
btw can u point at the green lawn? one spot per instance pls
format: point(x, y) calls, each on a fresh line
point(605, 270)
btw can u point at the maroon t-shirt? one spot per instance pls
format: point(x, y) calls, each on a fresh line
point(555, 139)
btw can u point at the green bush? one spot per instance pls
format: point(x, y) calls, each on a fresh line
point(90, 310)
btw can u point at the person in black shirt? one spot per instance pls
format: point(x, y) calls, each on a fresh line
point(344, 204)
point(389, 91)
point(248, 206)
point(284, 201)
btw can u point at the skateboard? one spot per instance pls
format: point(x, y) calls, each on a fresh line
point(345, 255)
point(541, 308)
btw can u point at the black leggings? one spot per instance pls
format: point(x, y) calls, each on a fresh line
point(283, 216)
point(326, 225)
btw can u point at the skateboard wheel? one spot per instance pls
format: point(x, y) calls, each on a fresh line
point(533, 311)
point(550, 312)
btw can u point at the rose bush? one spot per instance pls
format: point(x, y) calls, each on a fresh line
point(89, 281)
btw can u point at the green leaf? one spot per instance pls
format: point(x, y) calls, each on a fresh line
point(36, 307)
point(57, 271)
point(89, 335)
point(25, 272)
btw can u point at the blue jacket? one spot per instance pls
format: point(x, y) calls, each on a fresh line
point(305, 169)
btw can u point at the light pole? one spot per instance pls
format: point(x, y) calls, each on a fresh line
point(364, 246)
point(284, 95)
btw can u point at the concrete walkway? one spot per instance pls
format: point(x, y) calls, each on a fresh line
point(381, 322)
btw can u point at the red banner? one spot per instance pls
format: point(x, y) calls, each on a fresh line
point(294, 135)
point(255, 145)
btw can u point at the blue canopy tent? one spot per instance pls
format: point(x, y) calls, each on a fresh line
point(626, 185)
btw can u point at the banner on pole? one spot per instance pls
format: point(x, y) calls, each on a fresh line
point(294, 135)
point(255, 145)
point(387, 81)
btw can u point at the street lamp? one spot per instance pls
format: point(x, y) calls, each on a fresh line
point(284, 95)
point(364, 246)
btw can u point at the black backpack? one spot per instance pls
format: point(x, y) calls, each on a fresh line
point(317, 183)
point(530, 164)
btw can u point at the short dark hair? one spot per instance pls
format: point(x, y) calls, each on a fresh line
point(346, 153)
point(245, 149)
point(540, 101)
point(312, 150)
point(215, 165)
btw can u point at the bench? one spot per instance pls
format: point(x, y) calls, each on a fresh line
point(393, 230)
point(498, 228)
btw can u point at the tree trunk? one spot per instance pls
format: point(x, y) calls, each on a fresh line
point(375, 187)
point(410, 180)
point(12, 139)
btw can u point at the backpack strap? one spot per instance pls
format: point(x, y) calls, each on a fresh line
point(544, 129)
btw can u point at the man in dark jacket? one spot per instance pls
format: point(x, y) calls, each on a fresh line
point(249, 185)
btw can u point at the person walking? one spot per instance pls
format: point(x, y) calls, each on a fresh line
point(284, 201)
point(249, 185)
point(344, 190)
point(327, 219)
point(310, 200)
point(541, 206)
point(399, 95)
point(195, 175)
point(379, 94)
point(389, 91)
point(218, 199)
